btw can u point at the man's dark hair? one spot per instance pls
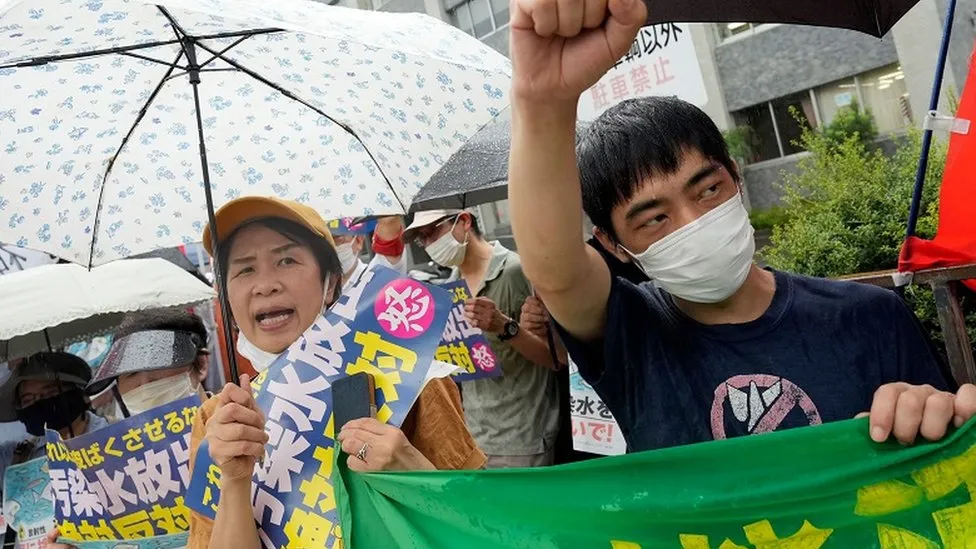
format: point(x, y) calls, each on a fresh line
point(475, 227)
point(636, 139)
point(323, 251)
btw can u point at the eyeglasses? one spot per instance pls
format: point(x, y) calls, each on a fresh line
point(426, 234)
point(25, 400)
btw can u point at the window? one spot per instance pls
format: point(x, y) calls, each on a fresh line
point(728, 30)
point(776, 128)
point(764, 142)
point(500, 10)
point(882, 91)
point(886, 95)
point(793, 114)
point(834, 97)
point(462, 19)
point(481, 17)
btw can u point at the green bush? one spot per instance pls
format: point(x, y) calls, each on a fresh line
point(741, 142)
point(851, 121)
point(846, 209)
point(767, 219)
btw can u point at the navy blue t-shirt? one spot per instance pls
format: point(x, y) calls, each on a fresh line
point(816, 355)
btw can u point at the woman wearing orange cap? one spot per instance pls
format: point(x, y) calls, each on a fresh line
point(281, 268)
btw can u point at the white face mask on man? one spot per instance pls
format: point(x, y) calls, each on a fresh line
point(707, 260)
point(446, 251)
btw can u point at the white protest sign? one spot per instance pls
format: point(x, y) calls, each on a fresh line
point(661, 62)
point(594, 428)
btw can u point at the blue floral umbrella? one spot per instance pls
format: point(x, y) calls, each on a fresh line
point(125, 123)
point(121, 120)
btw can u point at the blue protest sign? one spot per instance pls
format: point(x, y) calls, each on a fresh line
point(27, 503)
point(29, 506)
point(125, 481)
point(464, 345)
point(385, 325)
point(346, 226)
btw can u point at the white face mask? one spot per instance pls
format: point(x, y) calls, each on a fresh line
point(707, 260)
point(446, 251)
point(159, 392)
point(347, 257)
point(260, 359)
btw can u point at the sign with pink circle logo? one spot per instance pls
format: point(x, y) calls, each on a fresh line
point(483, 357)
point(404, 308)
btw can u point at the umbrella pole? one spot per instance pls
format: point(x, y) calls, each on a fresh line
point(923, 160)
point(193, 71)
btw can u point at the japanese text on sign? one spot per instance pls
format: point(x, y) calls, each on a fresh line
point(125, 481)
point(594, 428)
point(660, 62)
point(464, 345)
point(386, 326)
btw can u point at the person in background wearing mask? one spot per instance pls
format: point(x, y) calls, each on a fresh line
point(46, 389)
point(157, 357)
point(515, 417)
point(348, 248)
point(715, 346)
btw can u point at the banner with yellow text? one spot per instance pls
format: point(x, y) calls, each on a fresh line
point(826, 487)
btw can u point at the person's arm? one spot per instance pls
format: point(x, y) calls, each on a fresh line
point(387, 238)
point(556, 55)
point(484, 314)
point(569, 275)
point(535, 319)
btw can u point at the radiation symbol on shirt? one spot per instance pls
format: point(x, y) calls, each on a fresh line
point(760, 403)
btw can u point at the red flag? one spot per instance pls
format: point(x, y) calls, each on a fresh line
point(955, 240)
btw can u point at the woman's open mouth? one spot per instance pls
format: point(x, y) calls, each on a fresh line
point(274, 319)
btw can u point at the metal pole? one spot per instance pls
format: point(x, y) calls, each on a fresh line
point(194, 73)
point(923, 160)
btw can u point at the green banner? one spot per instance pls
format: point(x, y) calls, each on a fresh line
point(827, 486)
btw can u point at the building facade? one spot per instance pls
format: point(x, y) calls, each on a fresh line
point(765, 76)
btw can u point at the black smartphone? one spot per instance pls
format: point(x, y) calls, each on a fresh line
point(353, 397)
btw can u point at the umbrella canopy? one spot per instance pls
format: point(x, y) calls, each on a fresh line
point(874, 17)
point(477, 173)
point(54, 305)
point(105, 105)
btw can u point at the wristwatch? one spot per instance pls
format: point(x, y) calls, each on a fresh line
point(510, 330)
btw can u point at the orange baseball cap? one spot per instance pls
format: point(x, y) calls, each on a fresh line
point(239, 211)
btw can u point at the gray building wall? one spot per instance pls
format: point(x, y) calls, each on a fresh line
point(963, 35)
point(764, 181)
point(705, 39)
point(780, 60)
point(917, 39)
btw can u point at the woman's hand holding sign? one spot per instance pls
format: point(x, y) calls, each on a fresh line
point(235, 432)
point(375, 446)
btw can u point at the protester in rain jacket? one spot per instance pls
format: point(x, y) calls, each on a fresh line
point(282, 270)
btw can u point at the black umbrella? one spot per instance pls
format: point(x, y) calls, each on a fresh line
point(176, 257)
point(874, 17)
point(476, 174)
